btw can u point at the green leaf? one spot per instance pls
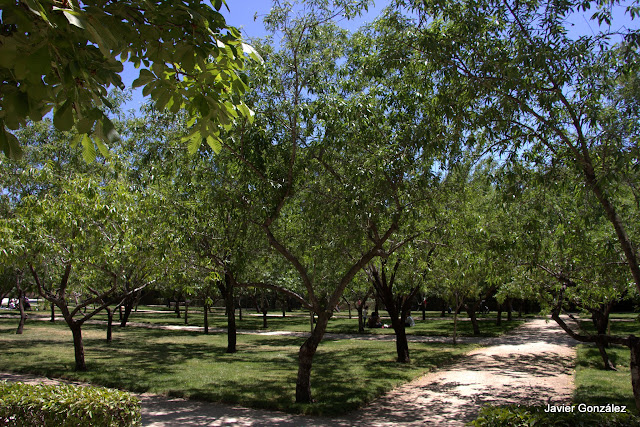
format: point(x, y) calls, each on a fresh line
point(88, 149)
point(194, 140)
point(215, 143)
point(109, 133)
point(9, 143)
point(63, 116)
point(144, 78)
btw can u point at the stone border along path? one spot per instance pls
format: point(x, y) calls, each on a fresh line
point(531, 365)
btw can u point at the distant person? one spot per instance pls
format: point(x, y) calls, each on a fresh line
point(374, 321)
point(408, 322)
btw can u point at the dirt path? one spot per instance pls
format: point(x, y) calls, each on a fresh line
point(533, 365)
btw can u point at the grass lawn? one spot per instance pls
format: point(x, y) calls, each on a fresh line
point(597, 386)
point(346, 374)
point(433, 325)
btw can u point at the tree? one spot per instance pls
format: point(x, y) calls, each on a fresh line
point(63, 56)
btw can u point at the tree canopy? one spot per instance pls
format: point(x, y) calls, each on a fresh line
point(65, 55)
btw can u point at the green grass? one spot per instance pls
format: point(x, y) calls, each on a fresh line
point(434, 325)
point(596, 386)
point(346, 373)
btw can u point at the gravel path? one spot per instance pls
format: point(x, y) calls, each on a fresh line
point(533, 365)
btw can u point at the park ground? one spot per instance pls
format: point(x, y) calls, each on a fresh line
point(533, 364)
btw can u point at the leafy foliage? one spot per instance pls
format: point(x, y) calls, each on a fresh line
point(63, 56)
point(524, 416)
point(66, 405)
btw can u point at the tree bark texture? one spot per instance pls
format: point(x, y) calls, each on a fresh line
point(634, 345)
point(206, 319)
point(109, 324)
point(305, 359)
point(78, 346)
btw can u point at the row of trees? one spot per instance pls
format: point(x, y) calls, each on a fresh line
point(461, 150)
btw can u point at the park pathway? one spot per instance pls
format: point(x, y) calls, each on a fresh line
point(531, 365)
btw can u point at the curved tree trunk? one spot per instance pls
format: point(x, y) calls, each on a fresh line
point(471, 311)
point(128, 306)
point(305, 359)
point(23, 315)
point(78, 346)
point(53, 313)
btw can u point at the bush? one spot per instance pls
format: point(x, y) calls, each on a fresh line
point(521, 416)
point(66, 405)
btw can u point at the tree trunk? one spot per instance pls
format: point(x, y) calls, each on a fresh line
point(509, 310)
point(402, 346)
point(499, 315)
point(634, 345)
point(444, 309)
point(53, 313)
point(177, 309)
point(600, 318)
point(424, 309)
point(109, 324)
point(608, 365)
point(231, 319)
point(305, 359)
point(474, 320)
point(360, 318)
point(455, 321)
point(128, 306)
point(186, 312)
point(206, 319)
point(76, 330)
point(23, 315)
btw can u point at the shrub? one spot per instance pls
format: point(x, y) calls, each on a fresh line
point(521, 416)
point(66, 405)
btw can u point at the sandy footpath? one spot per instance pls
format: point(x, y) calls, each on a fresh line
point(532, 365)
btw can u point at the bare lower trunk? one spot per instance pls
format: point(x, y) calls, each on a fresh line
point(474, 321)
point(360, 319)
point(76, 330)
point(186, 312)
point(231, 321)
point(608, 365)
point(23, 315)
point(305, 359)
point(124, 318)
point(109, 324)
point(509, 310)
point(634, 345)
point(499, 315)
point(264, 318)
point(53, 313)
point(402, 346)
point(206, 319)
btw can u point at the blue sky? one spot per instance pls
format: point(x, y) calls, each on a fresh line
point(242, 12)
